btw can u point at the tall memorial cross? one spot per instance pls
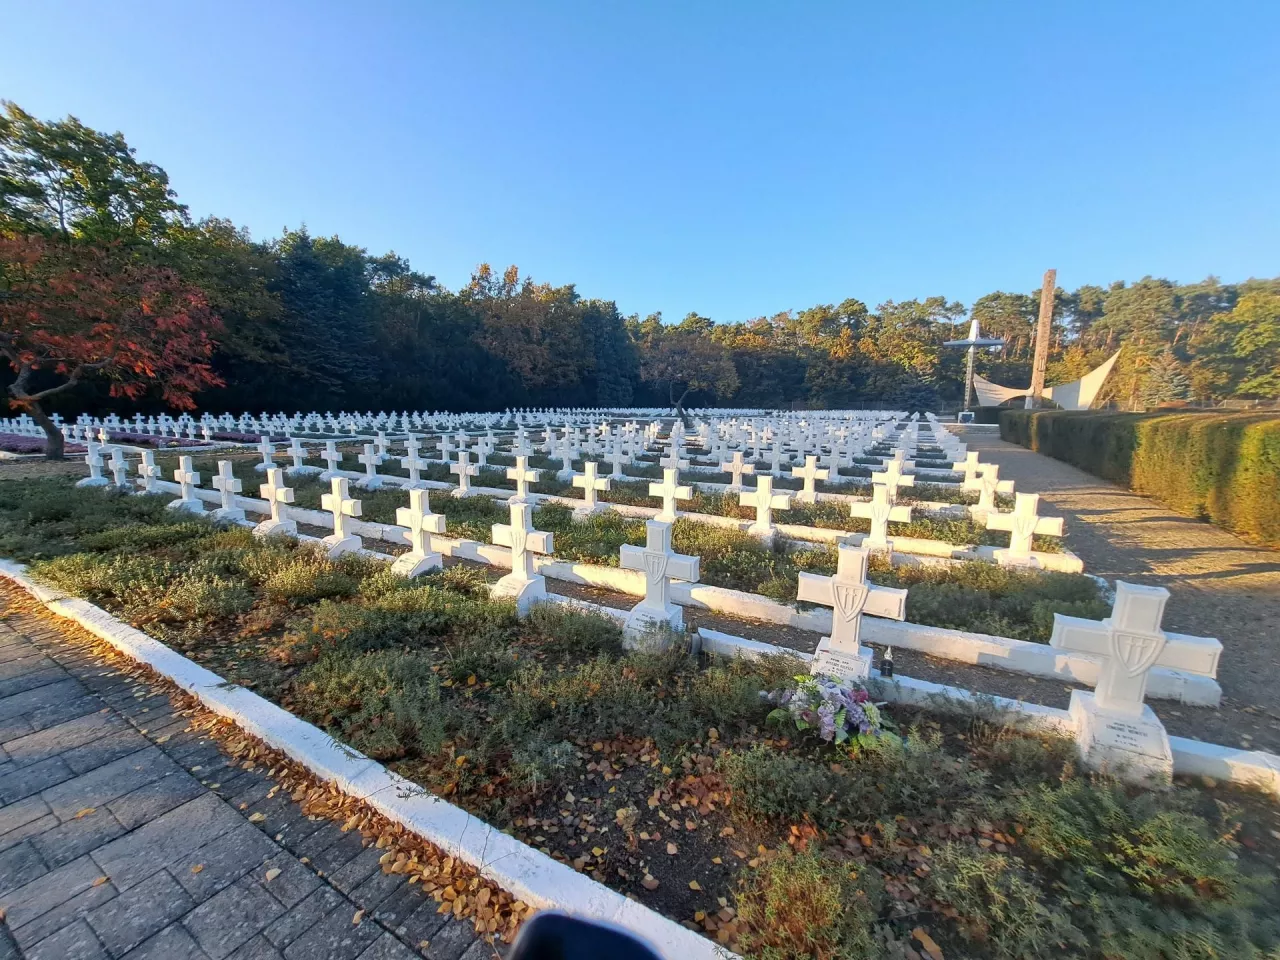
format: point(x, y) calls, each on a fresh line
point(736, 467)
point(464, 470)
point(187, 480)
point(343, 508)
point(1114, 727)
point(881, 512)
point(1022, 523)
point(420, 523)
point(765, 502)
point(660, 565)
point(670, 491)
point(849, 595)
point(522, 584)
point(228, 486)
point(277, 496)
point(892, 477)
point(810, 474)
point(590, 482)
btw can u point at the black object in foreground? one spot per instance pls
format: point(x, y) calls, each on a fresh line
point(553, 935)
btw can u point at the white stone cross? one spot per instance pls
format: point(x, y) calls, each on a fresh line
point(617, 457)
point(464, 469)
point(590, 482)
point(670, 491)
point(523, 476)
point(892, 477)
point(736, 468)
point(522, 584)
point(1114, 727)
point(148, 472)
point(880, 512)
point(299, 454)
point(227, 485)
point(339, 503)
point(810, 473)
point(970, 467)
point(370, 458)
point(660, 566)
point(849, 596)
point(673, 461)
point(988, 484)
point(1022, 523)
point(765, 501)
point(268, 451)
point(411, 463)
point(119, 468)
point(93, 457)
point(332, 459)
point(187, 480)
point(277, 495)
point(421, 523)
point(445, 447)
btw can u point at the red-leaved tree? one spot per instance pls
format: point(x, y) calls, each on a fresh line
point(69, 311)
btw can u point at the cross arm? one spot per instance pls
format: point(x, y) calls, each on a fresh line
point(886, 602)
point(815, 588)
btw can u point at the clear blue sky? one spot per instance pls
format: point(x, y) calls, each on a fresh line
point(732, 158)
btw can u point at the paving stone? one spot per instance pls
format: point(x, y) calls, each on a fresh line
point(63, 710)
point(451, 941)
point(127, 920)
point(323, 901)
point(292, 884)
point(171, 943)
point(118, 743)
point(31, 681)
point(377, 888)
point(8, 949)
point(339, 853)
point(297, 828)
point(397, 908)
point(107, 782)
point(480, 950)
point(15, 727)
point(334, 938)
point(17, 782)
point(27, 830)
point(223, 861)
point(387, 947)
point(358, 869)
point(24, 811)
point(326, 835)
point(230, 918)
point(64, 914)
point(155, 799)
point(166, 840)
point(20, 865)
point(18, 666)
point(422, 924)
point(61, 737)
point(25, 903)
point(259, 948)
point(77, 836)
point(74, 942)
point(254, 792)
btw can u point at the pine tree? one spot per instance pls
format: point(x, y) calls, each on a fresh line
point(1165, 380)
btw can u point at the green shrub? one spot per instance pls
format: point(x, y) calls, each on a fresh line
point(770, 784)
point(131, 580)
point(199, 597)
point(803, 905)
point(1220, 467)
point(305, 577)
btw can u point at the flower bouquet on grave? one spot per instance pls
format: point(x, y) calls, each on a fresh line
point(838, 713)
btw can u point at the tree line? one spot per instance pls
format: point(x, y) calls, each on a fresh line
point(308, 322)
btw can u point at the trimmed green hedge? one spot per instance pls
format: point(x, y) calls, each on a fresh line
point(1219, 467)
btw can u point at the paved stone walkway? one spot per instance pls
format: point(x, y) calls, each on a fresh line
point(1219, 585)
point(124, 836)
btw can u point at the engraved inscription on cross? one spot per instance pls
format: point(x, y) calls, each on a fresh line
point(849, 596)
point(1022, 523)
point(736, 468)
point(670, 491)
point(420, 523)
point(1129, 643)
point(659, 565)
point(880, 512)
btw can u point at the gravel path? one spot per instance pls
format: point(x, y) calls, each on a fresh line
point(1219, 585)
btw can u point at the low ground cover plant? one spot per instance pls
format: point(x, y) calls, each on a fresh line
point(719, 792)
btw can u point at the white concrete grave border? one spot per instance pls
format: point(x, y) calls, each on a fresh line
point(524, 872)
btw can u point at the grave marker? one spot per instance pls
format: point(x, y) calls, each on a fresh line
point(660, 565)
point(1022, 523)
point(522, 584)
point(670, 491)
point(187, 480)
point(421, 523)
point(810, 473)
point(227, 485)
point(880, 512)
point(277, 495)
point(765, 501)
point(339, 503)
point(590, 482)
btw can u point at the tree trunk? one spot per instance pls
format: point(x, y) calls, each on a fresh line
point(679, 405)
point(53, 449)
